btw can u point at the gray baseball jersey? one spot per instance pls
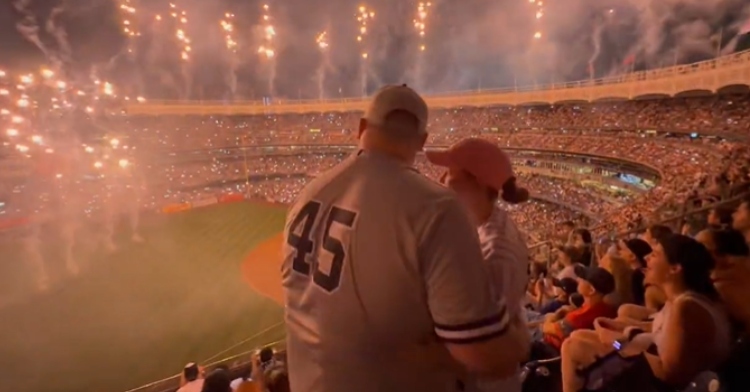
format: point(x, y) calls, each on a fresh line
point(379, 261)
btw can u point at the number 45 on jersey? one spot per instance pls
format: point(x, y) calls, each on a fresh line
point(305, 260)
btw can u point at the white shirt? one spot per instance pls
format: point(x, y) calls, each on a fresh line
point(192, 386)
point(391, 261)
point(507, 258)
point(237, 382)
point(568, 272)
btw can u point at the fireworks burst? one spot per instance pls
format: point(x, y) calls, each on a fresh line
point(538, 14)
point(180, 17)
point(129, 28)
point(364, 17)
point(227, 26)
point(420, 23)
point(269, 33)
point(322, 40)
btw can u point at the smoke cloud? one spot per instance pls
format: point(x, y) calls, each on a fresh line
point(470, 44)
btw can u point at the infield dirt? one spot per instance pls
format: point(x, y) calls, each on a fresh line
point(262, 268)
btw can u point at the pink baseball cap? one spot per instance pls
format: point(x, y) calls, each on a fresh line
point(486, 162)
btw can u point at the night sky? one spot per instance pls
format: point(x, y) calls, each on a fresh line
point(469, 43)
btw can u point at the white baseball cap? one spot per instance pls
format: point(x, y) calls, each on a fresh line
point(397, 97)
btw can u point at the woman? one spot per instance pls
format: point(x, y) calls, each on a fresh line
point(582, 241)
point(649, 297)
point(689, 335)
point(568, 258)
point(481, 173)
point(634, 251)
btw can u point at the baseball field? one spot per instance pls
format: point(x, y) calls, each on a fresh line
point(204, 284)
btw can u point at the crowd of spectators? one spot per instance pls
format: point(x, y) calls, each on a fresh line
point(679, 180)
point(640, 131)
point(635, 130)
point(264, 372)
point(646, 312)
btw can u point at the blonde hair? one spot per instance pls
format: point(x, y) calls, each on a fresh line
point(623, 274)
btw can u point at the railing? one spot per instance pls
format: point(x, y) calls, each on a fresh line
point(655, 74)
point(542, 252)
point(236, 361)
point(676, 222)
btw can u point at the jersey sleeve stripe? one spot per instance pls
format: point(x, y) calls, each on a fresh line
point(476, 324)
point(482, 329)
point(478, 338)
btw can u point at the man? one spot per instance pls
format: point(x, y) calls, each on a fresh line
point(379, 261)
point(594, 284)
point(192, 379)
point(731, 276)
point(480, 173)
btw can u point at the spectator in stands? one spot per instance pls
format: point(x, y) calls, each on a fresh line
point(192, 378)
point(563, 289)
point(536, 287)
point(731, 276)
point(720, 218)
point(480, 173)
point(654, 232)
point(217, 381)
point(253, 379)
point(690, 335)
point(277, 380)
point(618, 267)
point(634, 251)
point(569, 257)
point(566, 231)
point(245, 377)
point(582, 241)
point(594, 284)
point(690, 228)
point(741, 218)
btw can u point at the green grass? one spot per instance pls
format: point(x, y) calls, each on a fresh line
point(138, 314)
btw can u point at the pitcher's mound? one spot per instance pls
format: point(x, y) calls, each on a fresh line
point(262, 269)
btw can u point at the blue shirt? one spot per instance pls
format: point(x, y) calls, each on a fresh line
point(552, 306)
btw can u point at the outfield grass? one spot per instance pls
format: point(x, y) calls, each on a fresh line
point(138, 314)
